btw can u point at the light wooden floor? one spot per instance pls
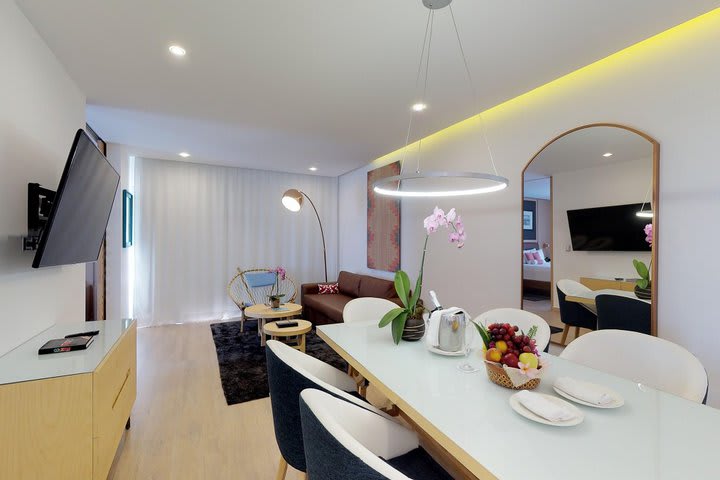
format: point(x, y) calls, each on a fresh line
point(181, 426)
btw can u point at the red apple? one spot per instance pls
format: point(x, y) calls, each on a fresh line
point(511, 360)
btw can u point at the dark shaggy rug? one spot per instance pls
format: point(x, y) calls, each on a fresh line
point(243, 372)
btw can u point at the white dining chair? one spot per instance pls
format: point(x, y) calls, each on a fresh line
point(523, 319)
point(645, 359)
point(369, 309)
point(344, 441)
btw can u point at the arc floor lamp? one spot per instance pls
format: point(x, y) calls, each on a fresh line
point(293, 200)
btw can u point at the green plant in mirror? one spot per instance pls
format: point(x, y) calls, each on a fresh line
point(644, 273)
point(642, 269)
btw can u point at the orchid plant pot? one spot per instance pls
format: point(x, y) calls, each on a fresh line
point(274, 302)
point(643, 293)
point(414, 329)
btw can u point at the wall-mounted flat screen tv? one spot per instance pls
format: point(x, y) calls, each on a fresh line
point(76, 225)
point(613, 228)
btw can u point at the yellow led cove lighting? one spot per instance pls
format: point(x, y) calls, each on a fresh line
point(653, 47)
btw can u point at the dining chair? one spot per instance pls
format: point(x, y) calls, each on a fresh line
point(523, 319)
point(365, 309)
point(645, 359)
point(346, 442)
point(252, 286)
point(573, 314)
point(370, 309)
point(289, 373)
point(622, 313)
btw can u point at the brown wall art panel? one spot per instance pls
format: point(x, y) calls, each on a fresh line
point(383, 223)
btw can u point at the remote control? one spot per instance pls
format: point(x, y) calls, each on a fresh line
point(91, 333)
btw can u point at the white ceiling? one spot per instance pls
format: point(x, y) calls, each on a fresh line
point(283, 85)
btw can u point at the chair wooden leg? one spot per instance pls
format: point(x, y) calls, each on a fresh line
point(566, 330)
point(577, 332)
point(282, 469)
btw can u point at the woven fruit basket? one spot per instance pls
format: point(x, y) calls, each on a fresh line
point(499, 375)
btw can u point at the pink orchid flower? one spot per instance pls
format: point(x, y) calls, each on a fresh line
point(451, 215)
point(439, 216)
point(281, 273)
point(649, 233)
point(431, 224)
point(526, 370)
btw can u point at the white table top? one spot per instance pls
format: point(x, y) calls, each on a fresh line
point(608, 291)
point(23, 363)
point(654, 436)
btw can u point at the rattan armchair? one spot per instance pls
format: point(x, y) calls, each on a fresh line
point(241, 290)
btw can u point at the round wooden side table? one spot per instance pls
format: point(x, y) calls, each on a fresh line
point(285, 334)
point(263, 312)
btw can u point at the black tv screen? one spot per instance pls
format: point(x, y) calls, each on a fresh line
point(614, 228)
point(76, 225)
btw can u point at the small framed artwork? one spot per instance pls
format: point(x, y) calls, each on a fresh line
point(127, 219)
point(527, 220)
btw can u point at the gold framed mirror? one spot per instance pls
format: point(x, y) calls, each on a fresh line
point(590, 201)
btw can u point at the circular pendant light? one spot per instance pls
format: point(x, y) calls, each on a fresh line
point(431, 184)
point(439, 183)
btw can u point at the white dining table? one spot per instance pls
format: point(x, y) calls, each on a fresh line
point(653, 436)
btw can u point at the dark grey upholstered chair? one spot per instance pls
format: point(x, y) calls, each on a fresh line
point(289, 373)
point(573, 314)
point(346, 442)
point(622, 313)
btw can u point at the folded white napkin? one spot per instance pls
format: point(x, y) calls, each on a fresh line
point(543, 407)
point(587, 392)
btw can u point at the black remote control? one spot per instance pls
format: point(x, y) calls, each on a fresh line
point(91, 333)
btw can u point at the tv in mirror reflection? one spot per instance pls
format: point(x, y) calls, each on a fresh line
point(76, 225)
point(613, 228)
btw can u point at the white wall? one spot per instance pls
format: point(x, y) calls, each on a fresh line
point(667, 87)
point(613, 184)
point(117, 259)
point(40, 110)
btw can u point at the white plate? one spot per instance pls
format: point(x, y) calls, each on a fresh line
point(518, 407)
point(460, 353)
point(618, 400)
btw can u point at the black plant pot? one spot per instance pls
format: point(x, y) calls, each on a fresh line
point(643, 293)
point(414, 329)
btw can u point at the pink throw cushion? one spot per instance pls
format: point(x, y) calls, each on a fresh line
point(327, 288)
point(538, 258)
point(529, 256)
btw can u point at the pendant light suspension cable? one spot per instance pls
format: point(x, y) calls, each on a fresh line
point(383, 186)
point(646, 213)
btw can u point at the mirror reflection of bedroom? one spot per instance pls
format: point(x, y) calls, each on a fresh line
point(587, 199)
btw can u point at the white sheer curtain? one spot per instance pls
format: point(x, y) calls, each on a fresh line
point(195, 224)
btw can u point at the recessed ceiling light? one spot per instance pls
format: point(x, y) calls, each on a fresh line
point(419, 107)
point(608, 154)
point(184, 154)
point(313, 169)
point(177, 50)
